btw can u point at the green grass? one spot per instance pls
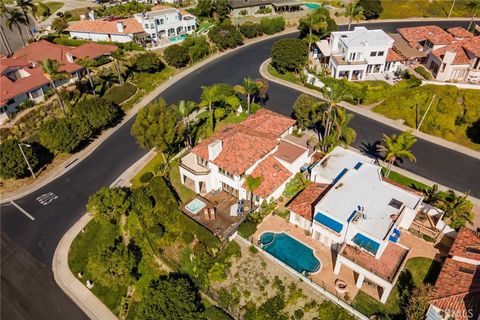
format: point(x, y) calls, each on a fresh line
point(289, 76)
point(52, 6)
point(406, 181)
point(423, 72)
point(417, 270)
point(75, 13)
point(183, 191)
point(395, 9)
point(119, 93)
point(149, 167)
point(95, 234)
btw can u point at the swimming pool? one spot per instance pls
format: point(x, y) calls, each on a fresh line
point(178, 38)
point(290, 251)
point(195, 205)
point(312, 5)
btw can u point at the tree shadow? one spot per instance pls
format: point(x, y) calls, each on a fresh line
point(44, 155)
point(405, 287)
point(473, 132)
point(371, 149)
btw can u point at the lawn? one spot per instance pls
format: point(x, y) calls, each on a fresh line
point(75, 13)
point(52, 7)
point(119, 93)
point(289, 76)
point(417, 270)
point(150, 167)
point(95, 234)
point(406, 181)
point(397, 9)
point(183, 192)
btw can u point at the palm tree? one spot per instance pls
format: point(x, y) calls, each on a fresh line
point(88, 63)
point(51, 70)
point(252, 184)
point(16, 18)
point(314, 22)
point(397, 147)
point(210, 95)
point(431, 194)
point(345, 134)
point(26, 6)
point(473, 6)
point(3, 14)
point(353, 12)
point(249, 88)
point(185, 108)
point(458, 209)
point(117, 56)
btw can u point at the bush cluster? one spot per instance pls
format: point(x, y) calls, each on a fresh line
point(225, 36)
point(289, 55)
point(149, 62)
point(176, 56)
point(119, 93)
point(266, 26)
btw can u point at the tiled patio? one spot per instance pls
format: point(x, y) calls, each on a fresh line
point(325, 277)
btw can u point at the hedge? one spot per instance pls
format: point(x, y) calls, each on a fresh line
point(423, 72)
point(119, 93)
point(127, 46)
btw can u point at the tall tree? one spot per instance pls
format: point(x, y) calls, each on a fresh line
point(117, 57)
point(458, 209)
point(12, 163)
point(16, 18)
point(27, 6)
point(88, 64)
point(51, 69)
point(314, 22)
point(473, 6)
point(396, 147)
point(431, 195)
point(3, 15)
point(252, 184)
point(249, 88)
point(185, 108)
point(222, 9)
point(372, 9)
point(353, 12)
point(419, 302)
point(108, 204)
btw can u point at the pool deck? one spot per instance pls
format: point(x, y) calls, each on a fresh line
point(325, 277)
point(223, 225)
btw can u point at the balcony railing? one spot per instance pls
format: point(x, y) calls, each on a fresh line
point(339, 60)
point(189, 163)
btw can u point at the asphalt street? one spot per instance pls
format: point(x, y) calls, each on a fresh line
point(28, 290)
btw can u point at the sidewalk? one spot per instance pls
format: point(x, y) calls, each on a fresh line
point(66, 280)
point(76, 158)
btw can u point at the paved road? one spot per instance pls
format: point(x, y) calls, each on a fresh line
point(26, 293)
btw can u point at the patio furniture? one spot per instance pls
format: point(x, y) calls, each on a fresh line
point(206, 213)
point(240, 208)
point(212, 213)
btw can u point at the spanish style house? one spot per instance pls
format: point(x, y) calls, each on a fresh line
point(262, 145)
point(161, 23)
point(352, 209)
point(354, 54)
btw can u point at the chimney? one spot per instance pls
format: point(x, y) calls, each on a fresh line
point(69, 57)
point(214, 149)
point(120, 26)
point(91, 14)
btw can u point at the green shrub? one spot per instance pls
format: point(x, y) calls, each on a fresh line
point(63, 134)
point(225, 36)
point(251, 30)
point(26, 104)
point(264, 10)
point(247, 229)
point(215, 313)
point(187, 237)
point(289, 55)
point(252, 249)
point(272, 25)
point(423, 72)
point(176, 56)
point(119, 93)
point(149, 62)
point(96, 113)
point(197, 46)
point(146, 177)
point(12, 163)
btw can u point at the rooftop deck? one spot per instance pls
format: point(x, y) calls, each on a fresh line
point(223, 225)
point(340, 61)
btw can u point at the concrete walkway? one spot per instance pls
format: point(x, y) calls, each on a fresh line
point(66, 280)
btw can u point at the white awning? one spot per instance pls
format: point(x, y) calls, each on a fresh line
point(324, 47)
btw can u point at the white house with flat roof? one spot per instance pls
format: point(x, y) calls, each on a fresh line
point(359, 214)
point(356, 53)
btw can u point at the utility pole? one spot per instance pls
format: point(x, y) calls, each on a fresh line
point(425, 114)
point(25, 157)
point(451, 9)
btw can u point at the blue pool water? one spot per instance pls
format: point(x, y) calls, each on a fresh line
point(195, 205)
point(290, 251)
point(312, 5)
point(178, 38)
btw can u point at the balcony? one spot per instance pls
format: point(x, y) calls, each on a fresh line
point(189, 163)
point(339, 60)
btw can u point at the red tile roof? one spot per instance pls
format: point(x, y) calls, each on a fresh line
point(131, 26)
point(457, 289)
point(473, 45)
point(393, 56)
point(414, 35)
point(92, 50)
point(460, 47)
point(6, 63)
point(289, 152)
point(246, 143)
point(402, 186)
point(443, 38)
point(273, 174)
point(304, 203)
point(459, 32)
point(10, 89)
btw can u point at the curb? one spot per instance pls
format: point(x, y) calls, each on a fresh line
point(372, 115)
point(75, 159)
point(66, 280)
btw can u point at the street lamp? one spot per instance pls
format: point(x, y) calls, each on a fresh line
point(25, 157)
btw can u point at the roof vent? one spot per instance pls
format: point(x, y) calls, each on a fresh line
point(69, 57)
point(214, 149)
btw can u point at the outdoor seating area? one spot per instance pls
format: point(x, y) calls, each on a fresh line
point(218, 211)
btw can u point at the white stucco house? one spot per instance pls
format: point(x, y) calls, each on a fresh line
point(352, 209)
point(354, 54)
point(262, 145)
point(161, 23)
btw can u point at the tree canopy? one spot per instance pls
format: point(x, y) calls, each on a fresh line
point(97, 112)
point(63, 134)
point(107, 204)
point(372, 9)
point(176, 55)
point(147, 62)
point(225, 35)
point(289, 55)
point(12, 163)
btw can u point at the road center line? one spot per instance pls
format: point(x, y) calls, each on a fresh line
point(22, 210)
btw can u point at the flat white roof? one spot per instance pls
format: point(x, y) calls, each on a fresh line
point(361, 36)
point(324, 47)
point(363, 187)
point(340, 159)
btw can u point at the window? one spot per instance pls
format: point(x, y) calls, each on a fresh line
point(262, 7)
point(467, 270)
point(37, 93)
point(373, 54)
point(152, 25)
point(476, 64)
point(202, 162)
point(394, 203)
point(226, 173)
point(161, 21)
point(381, 53)
point(473, 250)
point(146, 25)
point(443, 67)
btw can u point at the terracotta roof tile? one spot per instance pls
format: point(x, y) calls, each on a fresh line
point(402, 186)
point(6, 63)
point(460, 47)
point(10, 89)
point(459, 32)
point(443, 38)
point(289, 152)
point(414, 35)
point(304, 203)
point(131, 26)
point(246, 143)
point(473, 45)
point(466, 238)
point(393, 56)
point(273, 174)
point(92, 50)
